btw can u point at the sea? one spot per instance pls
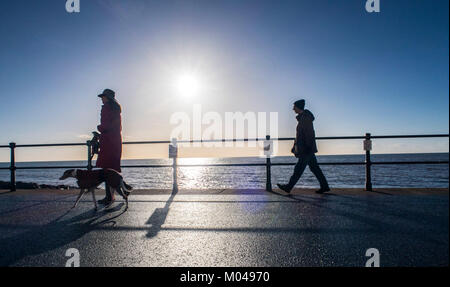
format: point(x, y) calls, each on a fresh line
point(254, 177)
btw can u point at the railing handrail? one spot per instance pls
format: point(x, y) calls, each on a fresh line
point(367, 147)
point(239, 140)
point(236, 164)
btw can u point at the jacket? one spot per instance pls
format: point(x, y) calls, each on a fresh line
point(305, 140)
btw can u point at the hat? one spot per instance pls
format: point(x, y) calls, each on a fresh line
point(108, 93)
point(300, 104)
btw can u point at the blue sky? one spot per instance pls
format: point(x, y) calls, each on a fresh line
point(384, 73)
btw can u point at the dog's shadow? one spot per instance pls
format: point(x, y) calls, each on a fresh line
point(40, 239)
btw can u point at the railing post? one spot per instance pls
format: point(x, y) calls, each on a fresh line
point(89, 151)
point(174, 167)
point(12, 167)
point(367, 147)
point(173, 153)
point(268, 170)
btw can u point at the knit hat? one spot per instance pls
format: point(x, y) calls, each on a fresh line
point(300, 104)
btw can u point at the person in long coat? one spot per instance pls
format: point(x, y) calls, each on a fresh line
point(110, 151)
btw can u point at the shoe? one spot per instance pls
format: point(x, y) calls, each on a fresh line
point(109, 203)
point(103, 201)
point(323, 190)
point(284, 187)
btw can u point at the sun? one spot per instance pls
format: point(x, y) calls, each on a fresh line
point(187, 85)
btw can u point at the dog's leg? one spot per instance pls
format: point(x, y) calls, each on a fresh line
point(93, 197)
point(125, 187)
point(126, 198)
point(111, 190)
point(82, 191)
point(124, 192)
point(121, 191)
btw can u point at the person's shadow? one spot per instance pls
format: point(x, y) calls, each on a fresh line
point(159, 216)
point(55, 234)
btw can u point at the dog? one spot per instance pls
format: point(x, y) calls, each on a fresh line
point(89, 180)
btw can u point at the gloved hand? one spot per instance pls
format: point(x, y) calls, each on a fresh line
point(294, 149)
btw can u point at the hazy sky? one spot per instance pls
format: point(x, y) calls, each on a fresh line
point(384, 73)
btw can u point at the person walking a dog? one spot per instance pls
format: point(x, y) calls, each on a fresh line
point(304, 149)
point(110, 151)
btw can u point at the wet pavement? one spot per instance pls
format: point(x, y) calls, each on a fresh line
point(234, 229)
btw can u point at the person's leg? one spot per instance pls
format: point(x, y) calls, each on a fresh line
point(317, 171)
point(107, 195)
point(298, 171)
point(108, 192)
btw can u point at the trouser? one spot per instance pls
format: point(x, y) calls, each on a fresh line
point(311, 161)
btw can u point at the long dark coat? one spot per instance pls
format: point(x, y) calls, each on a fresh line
point(110, 139)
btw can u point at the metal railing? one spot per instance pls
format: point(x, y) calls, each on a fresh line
point(367, 163)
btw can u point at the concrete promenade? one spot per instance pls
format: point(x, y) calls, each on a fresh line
point(227, 228)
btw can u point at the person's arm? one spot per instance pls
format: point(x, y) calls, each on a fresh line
point(296, 147)
point(308, 136)
point(105, 121)
point(115, 122)
point(112, 122)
